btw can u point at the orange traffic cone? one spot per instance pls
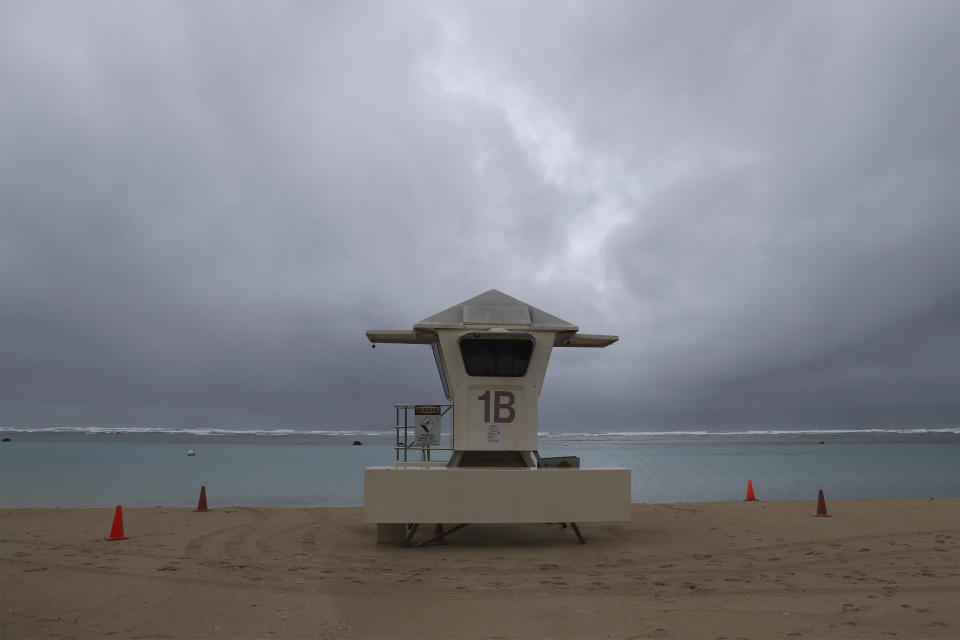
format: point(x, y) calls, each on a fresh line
point(116, 532)
point(750, 496)
point(202, 505)
point(821, 506)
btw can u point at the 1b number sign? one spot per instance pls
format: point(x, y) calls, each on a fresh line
point(498, 406)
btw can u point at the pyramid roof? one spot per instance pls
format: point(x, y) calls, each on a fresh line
point(492, 310)
point(495, 309)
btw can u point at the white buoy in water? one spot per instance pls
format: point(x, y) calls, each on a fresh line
point(191, 452)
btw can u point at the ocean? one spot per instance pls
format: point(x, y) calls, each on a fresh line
point(71, 466)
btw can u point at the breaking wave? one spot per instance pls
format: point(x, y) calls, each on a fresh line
point(335, 435)
point(751, 432)
point(195, 431)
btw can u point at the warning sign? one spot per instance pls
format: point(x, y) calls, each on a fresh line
point(427, 427)
point(426, 410)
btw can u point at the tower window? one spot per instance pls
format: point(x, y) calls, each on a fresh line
point(496, 358)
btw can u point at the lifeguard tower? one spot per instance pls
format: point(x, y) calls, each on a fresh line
point(492, 353)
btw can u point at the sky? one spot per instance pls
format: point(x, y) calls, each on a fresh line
point(204, 205)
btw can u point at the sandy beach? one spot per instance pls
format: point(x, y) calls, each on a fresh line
point(874, 569)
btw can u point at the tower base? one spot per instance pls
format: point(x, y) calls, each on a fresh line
point(398, 495)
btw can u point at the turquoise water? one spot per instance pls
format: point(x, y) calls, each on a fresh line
point(98, 473)
point(148, 474)
point(689, 473)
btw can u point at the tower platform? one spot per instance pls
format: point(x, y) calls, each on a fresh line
point(495, 495)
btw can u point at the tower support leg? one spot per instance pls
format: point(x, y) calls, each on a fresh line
point(442, 535)
point(576, 530)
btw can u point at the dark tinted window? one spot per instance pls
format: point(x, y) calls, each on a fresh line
point(496, 358)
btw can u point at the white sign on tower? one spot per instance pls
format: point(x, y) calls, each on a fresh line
point(427, 426)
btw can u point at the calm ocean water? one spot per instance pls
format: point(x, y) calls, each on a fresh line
point(146, 467)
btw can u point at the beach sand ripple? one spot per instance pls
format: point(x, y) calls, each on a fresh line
point(875, 569)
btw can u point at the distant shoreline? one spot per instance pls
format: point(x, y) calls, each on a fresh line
point(359, 508)
point(198, 435)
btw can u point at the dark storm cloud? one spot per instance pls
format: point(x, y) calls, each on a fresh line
point(203, 205)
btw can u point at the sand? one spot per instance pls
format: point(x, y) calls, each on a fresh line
point(875, 569)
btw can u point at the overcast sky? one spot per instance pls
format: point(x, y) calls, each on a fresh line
point(203, 206)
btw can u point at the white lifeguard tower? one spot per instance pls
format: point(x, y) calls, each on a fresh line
point(492, 353)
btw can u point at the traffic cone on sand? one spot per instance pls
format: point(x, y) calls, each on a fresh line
point(821, 506)
point(116, 531)
point(202, 505)
point(750, 496)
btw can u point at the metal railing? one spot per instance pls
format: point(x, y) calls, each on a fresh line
point(422, 441)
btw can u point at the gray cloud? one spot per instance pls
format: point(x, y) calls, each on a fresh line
point(203, 205)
